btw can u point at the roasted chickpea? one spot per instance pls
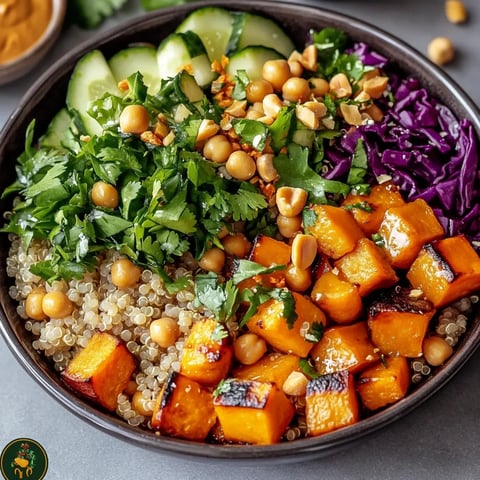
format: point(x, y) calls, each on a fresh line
point(134, 119)
point(298, 279)
point(56, 304)
point(249, 348)
point(33, 304)
point(140, 404)
point(213, 260)
point(164, 331)
point(441, 50)
point(277, 72)
point(319, 87)
point(217, 149)
point(104, 195)
point(236, 244)
point(125, 273)
point(436, 350)
point(295, 384)
point(257, 89)
point(289, 226)
point(296, 89)
point(240, 165)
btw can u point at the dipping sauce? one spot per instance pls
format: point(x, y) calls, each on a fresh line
point(22, 23)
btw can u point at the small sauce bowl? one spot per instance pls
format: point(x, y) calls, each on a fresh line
point(21, 65)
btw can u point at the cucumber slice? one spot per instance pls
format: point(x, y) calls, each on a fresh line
point(251, 59)
point(56, 130)
point(181, 51)
point(141, 59)
point(214, 26)
point(90, 80)
point(250, 29)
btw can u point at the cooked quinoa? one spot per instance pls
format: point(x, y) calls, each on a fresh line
point(100, 305)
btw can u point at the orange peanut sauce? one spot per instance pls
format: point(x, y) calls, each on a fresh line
point(22, 24)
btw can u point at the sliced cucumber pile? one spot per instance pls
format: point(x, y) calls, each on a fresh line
point(206, 35)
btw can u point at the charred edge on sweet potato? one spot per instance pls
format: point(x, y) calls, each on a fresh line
point(243, 393)
point(331, 382)
point(444, 267)
point(398, 299)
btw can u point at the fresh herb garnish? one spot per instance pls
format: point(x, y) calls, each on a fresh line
point(315, 333)
point(307, 368)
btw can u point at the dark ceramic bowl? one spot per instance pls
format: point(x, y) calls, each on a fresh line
point(47, 96)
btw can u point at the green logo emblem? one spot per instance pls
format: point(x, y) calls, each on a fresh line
point(24, 459)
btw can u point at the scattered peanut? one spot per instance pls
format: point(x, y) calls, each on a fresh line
point(441, 50)
point(290, 201)
point(304, 250)
point(340, 86)
point(265, 167)
point(295, 384)
point(456, 11)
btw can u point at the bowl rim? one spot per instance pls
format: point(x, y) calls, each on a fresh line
point(287, 451)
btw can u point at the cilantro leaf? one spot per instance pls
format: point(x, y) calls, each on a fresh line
point(359, 167)
point(315, 333)
point(88, 14)
point(247, 269)
point(252, 132)
point(307, 368)
point(294, 171)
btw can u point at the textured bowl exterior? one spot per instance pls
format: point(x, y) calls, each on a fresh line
point(25, 63)
point(47, 96)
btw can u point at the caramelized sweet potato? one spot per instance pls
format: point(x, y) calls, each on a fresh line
point(184, 409)
point(405, 229)
point(384, 383)
point(335, 230)
point(102, 370)
point(205, 359)
point(252, 412)
point(268, 251)
point(338, 298)
point(346, 347)
point(446, 270)
point(368, 210)
point(275, 368)
point(398, 321)
point(331, 403)
point(270, 323)
point(368, 267)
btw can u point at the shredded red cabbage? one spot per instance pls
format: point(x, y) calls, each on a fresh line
point(426, 150)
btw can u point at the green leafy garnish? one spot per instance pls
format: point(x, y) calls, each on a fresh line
point(245, 269)
point(307, 368)
point(315, 333)
point(88, 14)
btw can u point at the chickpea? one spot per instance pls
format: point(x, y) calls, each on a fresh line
point(319, 87)
point(265, 167)
point(104, 195)
point(456, 11)
point(436, 350)
point(33, 304)
point(240, 165)
point(140, 404)
point(298, 279)
point(257, 89)
point(290, 201)
point(217, 149)
point(56, 304)
point(295, 384)
point(296, 89)
point(164, 331)
point(277, 72)
point(125, 273)
point(304, 250)
point(289, 226)
point(237, 245)
point(441, 50)
point(213, 260)
point(134, 119)
point(249, 348)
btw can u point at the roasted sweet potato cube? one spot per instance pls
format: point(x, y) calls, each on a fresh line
point(270, 323)
point(346, 347)
point(338, 298)
point(398, 320)
point(368, 210)
point(268, 251)
point(331, 403)
point(184, 409)
point(102, 370)
point(335, 230)
point(405, 229)
point(446, 270)
point(252, 412)
point(275, 368)
point(368, 267)
point(205, 357)
point(384, 383)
